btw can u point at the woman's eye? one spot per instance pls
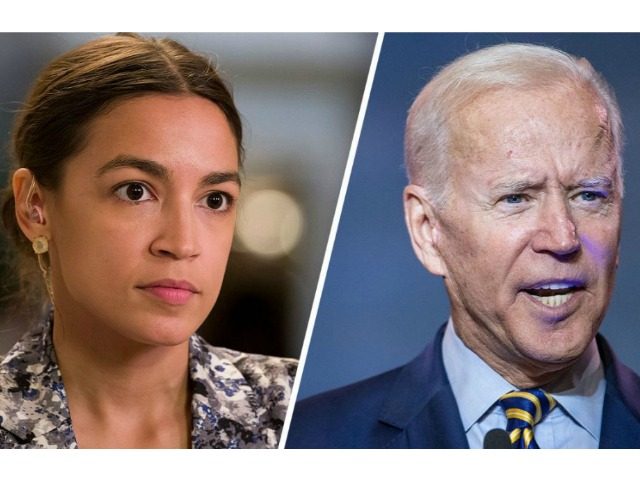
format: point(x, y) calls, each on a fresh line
point(134, 192)
point(218, 201)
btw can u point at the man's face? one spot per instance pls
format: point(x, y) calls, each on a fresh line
point(529, 237)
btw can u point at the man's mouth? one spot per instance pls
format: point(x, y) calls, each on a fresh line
point(554, 294)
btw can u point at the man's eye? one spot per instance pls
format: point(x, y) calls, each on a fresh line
point(513, 198)
point(133, 192)
point(590, 196)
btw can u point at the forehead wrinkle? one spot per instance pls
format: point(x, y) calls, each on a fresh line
point(602, 135)
point(603, 139)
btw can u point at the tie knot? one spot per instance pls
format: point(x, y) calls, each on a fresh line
point(530, 405)
point(524, 409)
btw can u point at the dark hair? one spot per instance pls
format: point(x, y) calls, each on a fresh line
point(80, 84)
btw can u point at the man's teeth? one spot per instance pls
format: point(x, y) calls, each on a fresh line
point(553, 300)
point(557, 286)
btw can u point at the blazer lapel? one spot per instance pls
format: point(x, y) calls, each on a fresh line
point(221, 409)
point(421, 405)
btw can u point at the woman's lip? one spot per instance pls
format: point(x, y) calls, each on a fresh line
point(173, 292)
point(170, 295)
point(171, 283)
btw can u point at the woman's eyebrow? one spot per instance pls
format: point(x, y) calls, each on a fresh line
point(158, 170)
point(150, 167)
point(216, 178)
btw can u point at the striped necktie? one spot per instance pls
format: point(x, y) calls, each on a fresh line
point(524, 409)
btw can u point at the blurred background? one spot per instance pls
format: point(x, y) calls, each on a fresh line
point(299, 95)
point(379, 306)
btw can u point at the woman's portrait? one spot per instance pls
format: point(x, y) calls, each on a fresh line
point(120, 210)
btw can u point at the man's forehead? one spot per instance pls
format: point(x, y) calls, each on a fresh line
point(577, 100)
point(536, 169)
point(514, 123)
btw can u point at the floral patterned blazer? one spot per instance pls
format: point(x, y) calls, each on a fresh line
point(238, 400)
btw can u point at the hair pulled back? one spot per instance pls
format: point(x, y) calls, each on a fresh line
point(82, 83)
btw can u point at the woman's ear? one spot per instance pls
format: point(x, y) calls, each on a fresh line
point(29, 204)
point(424, 229)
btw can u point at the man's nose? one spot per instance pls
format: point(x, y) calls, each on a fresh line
point(556, 231)
point(176, 233)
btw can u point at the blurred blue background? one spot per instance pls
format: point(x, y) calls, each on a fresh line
point(379, 307)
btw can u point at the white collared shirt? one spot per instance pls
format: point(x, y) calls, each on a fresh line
point(574, 423)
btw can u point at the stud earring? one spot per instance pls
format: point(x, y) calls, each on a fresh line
point(40, 246)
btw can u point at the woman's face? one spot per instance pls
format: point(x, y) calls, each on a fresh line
point(142, 224)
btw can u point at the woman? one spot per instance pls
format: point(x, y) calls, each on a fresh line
point(128, 157)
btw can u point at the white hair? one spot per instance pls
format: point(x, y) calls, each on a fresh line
point(518, 66)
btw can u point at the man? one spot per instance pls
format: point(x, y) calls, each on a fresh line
point(515, 198)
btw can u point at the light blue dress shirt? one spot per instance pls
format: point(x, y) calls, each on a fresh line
point(574, 423)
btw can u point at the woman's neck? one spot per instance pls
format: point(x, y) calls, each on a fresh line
point(122, 394)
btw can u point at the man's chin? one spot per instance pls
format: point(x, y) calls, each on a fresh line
point(553, 353)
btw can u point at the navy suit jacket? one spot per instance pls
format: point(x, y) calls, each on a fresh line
point(413, 407)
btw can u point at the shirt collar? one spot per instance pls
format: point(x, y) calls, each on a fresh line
point(476, 386)
point(581, 390)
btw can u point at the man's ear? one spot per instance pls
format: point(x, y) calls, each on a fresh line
point(424, 229)
point(29, 204)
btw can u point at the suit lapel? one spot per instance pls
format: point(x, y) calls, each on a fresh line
point(420, 410)
point(621, 410)
point(421, 405)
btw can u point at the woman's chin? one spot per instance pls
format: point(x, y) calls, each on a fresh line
point(167, 332)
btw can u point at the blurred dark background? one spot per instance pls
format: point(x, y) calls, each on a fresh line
point(299, 95)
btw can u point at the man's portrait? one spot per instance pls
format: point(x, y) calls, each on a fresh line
point(501, 163)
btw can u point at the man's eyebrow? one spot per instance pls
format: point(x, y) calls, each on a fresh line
point(596, 182)
point(151, 167)
point(516, 186)
point(217, 178)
